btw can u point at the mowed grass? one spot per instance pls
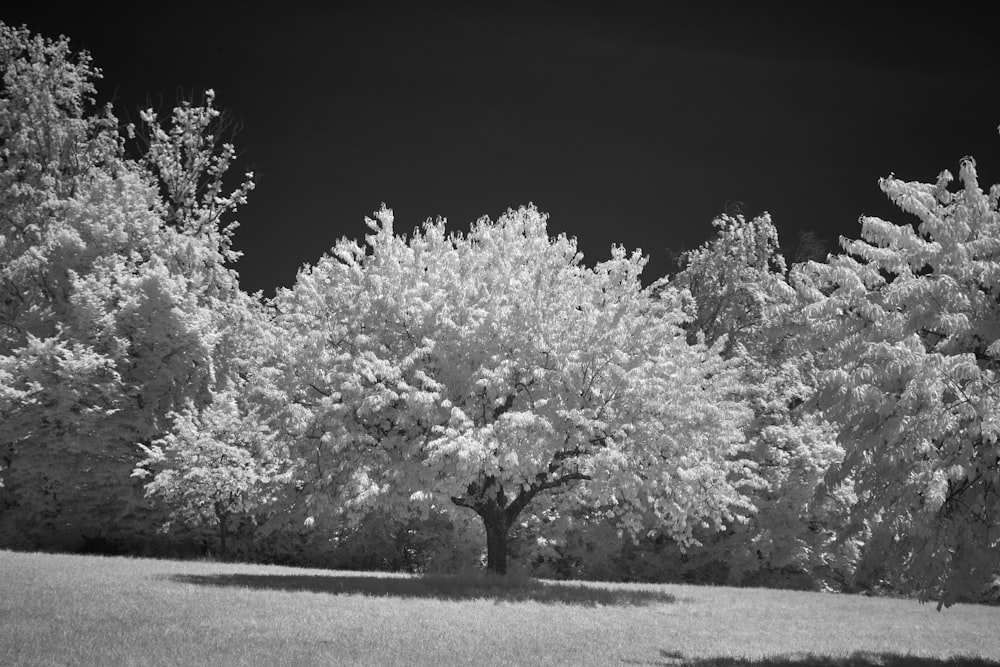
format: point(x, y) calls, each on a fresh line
point(85, 610)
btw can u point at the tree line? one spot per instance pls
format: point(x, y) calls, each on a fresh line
point(434, 400)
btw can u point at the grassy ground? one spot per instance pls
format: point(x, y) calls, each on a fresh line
point(60, 609)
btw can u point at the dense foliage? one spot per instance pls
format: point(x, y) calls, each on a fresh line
point(112, 285)
point(493, 371)
point(434, 400)
point(738, 281)
point(907, 329)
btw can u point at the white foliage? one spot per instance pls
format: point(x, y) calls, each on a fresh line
point(113, 284)
point(907, 326)
point(495, 367)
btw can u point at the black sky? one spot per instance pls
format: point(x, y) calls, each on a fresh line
point(633, 123)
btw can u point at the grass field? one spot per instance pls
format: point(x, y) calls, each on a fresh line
point(85, 610)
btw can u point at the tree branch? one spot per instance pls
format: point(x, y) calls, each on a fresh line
point(463, 502)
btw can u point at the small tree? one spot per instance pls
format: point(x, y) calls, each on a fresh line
point(216, 465)
point(494, 372)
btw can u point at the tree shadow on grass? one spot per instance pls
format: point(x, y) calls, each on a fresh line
point(856, 659)
point(439, 587)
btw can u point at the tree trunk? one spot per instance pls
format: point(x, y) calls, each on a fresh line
point(498, 513)
point(222, 517)
point(496, 542)
point(223, 535)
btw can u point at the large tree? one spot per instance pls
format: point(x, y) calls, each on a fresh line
point(494, 372)
point(113, 280)
point(907, 325)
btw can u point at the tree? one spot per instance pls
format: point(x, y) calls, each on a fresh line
point(216, 465)
point(222, 462)
point(736, 280)
point(741, 295)
point(110, 293)
point(907, 330)
point(494, 372)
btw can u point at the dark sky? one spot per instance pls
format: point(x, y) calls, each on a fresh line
point(627, 122)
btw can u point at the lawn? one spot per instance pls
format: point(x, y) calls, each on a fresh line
point(85, 610)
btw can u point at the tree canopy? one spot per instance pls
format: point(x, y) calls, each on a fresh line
point(111, 290)
point(494, 371)
point(907, 328)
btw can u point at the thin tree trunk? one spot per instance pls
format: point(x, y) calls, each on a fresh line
point(223, 534)
point(222, 516)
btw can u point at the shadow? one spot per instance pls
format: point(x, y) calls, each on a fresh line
point(857, 659)
point(439, 587)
